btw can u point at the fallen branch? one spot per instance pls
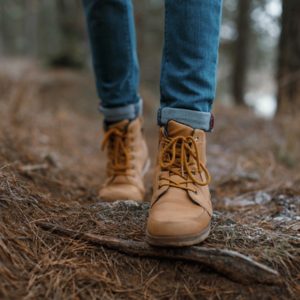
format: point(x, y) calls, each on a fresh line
point(232, 264)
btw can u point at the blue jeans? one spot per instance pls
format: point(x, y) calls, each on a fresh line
point(189, 62)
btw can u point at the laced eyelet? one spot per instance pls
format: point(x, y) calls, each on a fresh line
point(180, 156)
point(119, 150)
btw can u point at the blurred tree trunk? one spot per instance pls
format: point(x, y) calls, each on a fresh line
point(2, 27)
point(289, 59)
point(69, 24)
point(31, 9)
point(5, 41)
point(241, 51)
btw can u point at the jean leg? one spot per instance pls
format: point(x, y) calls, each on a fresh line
point(189, 63)
point(111, 31)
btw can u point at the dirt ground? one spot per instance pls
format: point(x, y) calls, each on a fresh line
point(51, 168)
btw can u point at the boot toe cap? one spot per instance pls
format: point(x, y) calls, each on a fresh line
point(179, 223)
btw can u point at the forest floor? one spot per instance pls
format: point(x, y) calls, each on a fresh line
point(51, 169)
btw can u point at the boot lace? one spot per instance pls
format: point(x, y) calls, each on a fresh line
point(118, 151)
point(180, 156)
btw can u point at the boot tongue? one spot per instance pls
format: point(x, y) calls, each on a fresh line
point(176, 129)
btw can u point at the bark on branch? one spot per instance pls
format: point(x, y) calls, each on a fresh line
point(232, 264)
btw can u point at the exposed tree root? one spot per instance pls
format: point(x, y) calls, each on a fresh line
point(231, 264)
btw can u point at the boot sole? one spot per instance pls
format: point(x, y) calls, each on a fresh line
point(177, 241)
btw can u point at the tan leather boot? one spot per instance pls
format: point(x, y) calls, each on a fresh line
point(181, 210)
point(128, 161)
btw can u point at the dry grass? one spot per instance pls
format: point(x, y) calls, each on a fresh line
point(51, 168)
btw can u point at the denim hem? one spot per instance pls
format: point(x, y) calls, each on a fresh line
point(115, 114)
point(194, 119)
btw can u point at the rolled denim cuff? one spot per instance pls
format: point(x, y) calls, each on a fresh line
point(194, 119)
point(115, 114)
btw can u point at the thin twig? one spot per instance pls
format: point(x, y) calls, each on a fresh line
point(30, 168)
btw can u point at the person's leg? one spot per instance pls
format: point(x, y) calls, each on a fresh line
point(112, 37)
point(188, 74)
point(181, 209)
point(113, 44)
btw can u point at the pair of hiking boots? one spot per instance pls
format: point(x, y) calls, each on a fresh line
point(181, 210)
